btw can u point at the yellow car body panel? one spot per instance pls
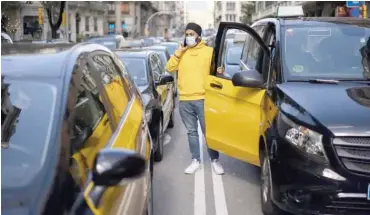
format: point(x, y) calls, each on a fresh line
point(234, 119)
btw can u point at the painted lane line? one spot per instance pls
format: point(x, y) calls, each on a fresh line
point(199, 185)
point(166, 139)
point(219, 194)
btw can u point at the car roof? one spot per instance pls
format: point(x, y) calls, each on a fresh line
point(133, 53)
point(156, 47)
point(169, 43)
point(42, 60)
point(317, 20)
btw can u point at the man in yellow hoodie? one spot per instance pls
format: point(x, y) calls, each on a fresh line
point(193, 63)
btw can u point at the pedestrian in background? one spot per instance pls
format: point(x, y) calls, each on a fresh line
point(193, 63)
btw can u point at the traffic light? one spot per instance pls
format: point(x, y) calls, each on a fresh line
point(41, 16)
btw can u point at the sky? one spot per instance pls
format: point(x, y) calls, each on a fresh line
point(200, 12)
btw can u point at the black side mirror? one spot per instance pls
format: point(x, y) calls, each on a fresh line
point(79, 141)
point(111, 166)
point(165, 79)
point(248, 78)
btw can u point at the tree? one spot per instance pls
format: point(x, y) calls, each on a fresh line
point(248, 8)
point(54, 11)
point(10, 23)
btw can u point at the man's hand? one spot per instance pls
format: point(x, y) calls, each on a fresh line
point(180, 51)
point(220, 70)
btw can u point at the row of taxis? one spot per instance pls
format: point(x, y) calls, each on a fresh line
point(298, 106)
point(79, 135)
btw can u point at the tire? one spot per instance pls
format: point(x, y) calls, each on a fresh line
point(171, 123)
point(268, 207)
point(158, 154)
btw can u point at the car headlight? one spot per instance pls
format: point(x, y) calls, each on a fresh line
point(304, 139)
point(148, 115)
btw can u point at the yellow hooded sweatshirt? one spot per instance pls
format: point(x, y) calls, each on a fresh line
point(193, 67)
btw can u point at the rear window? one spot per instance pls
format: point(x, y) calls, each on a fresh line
point(234, 55)
point(27, 111)
point(137, 69)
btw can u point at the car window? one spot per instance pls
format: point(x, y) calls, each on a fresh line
point(156, 68)
point(116, 87)
point(310, 52)
point(233, 55)
point(137, 69)
point(158, 60)
point(251, 43)
point(28, 109)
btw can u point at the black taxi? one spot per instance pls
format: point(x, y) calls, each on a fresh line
point(299, 108)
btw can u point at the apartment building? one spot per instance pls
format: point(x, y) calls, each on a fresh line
point(227, 11)
point(84, 18)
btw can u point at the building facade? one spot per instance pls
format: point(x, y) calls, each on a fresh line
point(83, 19)
point(227, 11)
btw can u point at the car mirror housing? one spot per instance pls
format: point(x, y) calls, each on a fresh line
point(165, 79)
point(248, 78)
point(111, 166)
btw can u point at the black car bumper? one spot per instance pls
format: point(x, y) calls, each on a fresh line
point(300, 186)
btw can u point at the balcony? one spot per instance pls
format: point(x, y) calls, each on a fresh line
point(271, 9)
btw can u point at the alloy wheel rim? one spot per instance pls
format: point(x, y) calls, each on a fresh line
point(265, 178)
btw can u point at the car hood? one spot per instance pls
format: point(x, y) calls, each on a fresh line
point(344, 109)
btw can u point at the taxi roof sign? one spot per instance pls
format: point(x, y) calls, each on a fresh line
point(290, 11)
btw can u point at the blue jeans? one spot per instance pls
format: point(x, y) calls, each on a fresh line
point(191, 112)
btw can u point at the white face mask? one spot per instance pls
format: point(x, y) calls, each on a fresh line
point(191, 41)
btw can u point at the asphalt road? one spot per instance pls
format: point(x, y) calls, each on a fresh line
point(235, 193)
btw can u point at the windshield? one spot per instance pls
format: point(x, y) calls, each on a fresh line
point(330, 51)
point(27, 110)
point(171, 48)
point(233, 55)
point(109, 42)
point(137, 69)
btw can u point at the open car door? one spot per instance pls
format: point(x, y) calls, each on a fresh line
point(234, 116)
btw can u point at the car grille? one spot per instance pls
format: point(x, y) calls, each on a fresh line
point(348, 206)
point(354, 153)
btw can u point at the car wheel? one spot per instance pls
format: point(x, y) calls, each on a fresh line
point(158, 154)
point(268, 207)
point(171, 123)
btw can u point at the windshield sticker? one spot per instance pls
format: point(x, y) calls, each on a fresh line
point(298, 68)
point(289, 32)
point(320, 32)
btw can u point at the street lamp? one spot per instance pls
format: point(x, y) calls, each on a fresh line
point(152, 16)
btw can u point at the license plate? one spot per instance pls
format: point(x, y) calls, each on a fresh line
point(368, 192)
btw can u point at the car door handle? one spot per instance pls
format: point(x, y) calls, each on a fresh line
point(105, 122)
point(216, 85)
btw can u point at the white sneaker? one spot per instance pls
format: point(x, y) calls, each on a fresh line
point(194, 166)
point(216, 166)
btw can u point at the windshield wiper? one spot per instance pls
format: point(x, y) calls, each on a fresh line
point(317, 81)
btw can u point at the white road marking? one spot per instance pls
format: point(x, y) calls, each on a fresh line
point(199, 186)
point(219, 194)
point(166, 139)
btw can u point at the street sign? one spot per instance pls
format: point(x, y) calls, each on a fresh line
point(354, 3)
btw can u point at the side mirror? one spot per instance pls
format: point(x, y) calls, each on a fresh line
point(248, 78)
point(111, 166)
point(165, 79)
point(79, 141)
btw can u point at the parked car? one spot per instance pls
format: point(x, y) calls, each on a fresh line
point(232, 54)
point(74, 137)
point(156, 88)
point(171, 47)
point(162, 51)
point(110, 41)
point(5, 38)
point(299, 107)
